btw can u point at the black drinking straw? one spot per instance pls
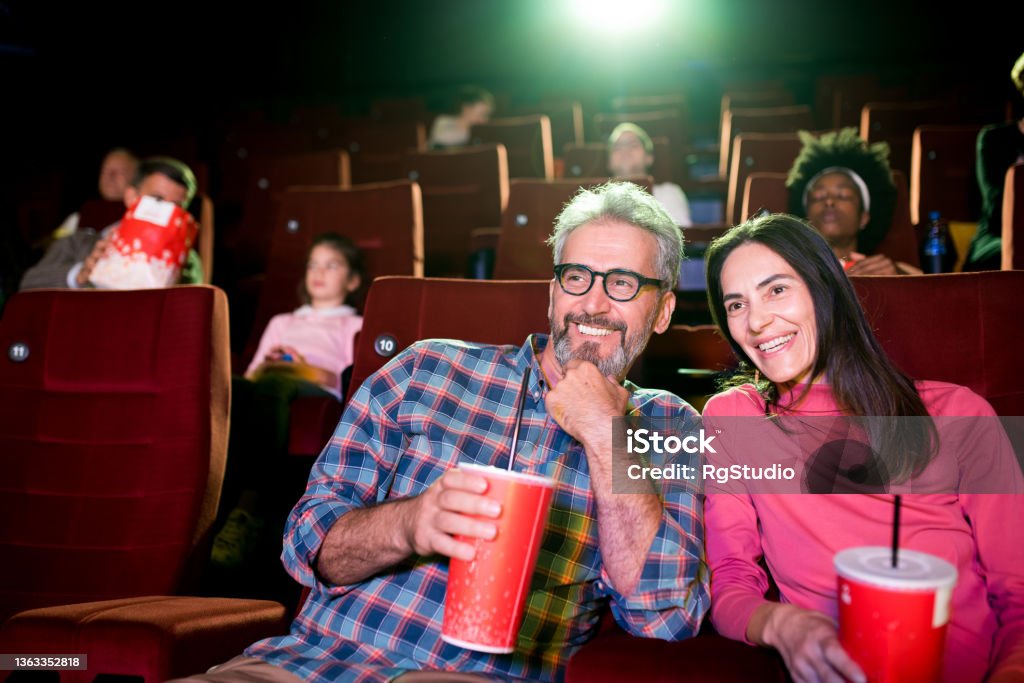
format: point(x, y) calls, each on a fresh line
point(896, 533)
point(519, 417)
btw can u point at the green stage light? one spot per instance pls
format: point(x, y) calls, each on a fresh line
point(619, 16)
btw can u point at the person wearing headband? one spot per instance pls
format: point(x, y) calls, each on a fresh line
point(385, 502)
point(845, 190)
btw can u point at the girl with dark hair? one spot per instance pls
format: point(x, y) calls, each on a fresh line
point(302, 353)
point(315, 342)
point(781, 299)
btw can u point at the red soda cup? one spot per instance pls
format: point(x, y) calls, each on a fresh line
point(892, 620)
point(483, 606)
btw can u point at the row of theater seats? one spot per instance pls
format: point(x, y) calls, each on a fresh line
point(462, 201)
point(113, 409)
point(752, 139)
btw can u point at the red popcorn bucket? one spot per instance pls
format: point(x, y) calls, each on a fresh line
point(148, 248)
point(483, 607)
point(892, 620)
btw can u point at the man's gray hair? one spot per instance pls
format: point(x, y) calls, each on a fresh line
point(629, 203)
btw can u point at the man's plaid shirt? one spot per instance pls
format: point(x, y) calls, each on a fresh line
point(437, 404)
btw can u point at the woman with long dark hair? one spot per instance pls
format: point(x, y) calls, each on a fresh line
point(780, 297)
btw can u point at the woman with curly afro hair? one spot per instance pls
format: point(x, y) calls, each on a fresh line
point(845, 189)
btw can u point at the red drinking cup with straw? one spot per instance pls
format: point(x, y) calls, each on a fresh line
point(892, 620)
point(483, 606)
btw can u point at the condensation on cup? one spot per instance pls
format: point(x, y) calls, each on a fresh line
point(484, 602)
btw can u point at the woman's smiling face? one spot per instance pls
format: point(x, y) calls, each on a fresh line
point(770, 313)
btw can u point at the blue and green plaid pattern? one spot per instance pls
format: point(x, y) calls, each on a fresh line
point(437, 404)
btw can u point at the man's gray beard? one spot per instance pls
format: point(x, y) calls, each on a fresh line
point(614, 365)
point(617, 363)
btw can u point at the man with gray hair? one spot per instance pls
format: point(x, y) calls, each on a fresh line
point(385, 506)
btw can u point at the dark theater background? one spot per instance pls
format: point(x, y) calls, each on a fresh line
point(79, 78)
point(235, 87)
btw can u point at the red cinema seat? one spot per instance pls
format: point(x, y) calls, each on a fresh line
point(527, 222)
point(764, 190)
point(113, 432)
point(378, 150)
point(463, 189)
point(113, 435)
point(527, 139)
point(758, 120)
point(402, 310)
point(942, 175)
point(269, 176)
point(385, 220)
point(754, 152)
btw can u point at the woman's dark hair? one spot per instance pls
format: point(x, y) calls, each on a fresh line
point(864, 382)
point(344, 246)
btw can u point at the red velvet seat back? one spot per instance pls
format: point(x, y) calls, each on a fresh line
point(752, 152)
point(385, 220)
point(566, 118)
point(942, 175)
point(527, 222)
point(764, 190)
point(527, 140)
point(463, 189)
point(963, 328)
point(112, 440)
point(378, 149)
point(402, 310)
point(268, 177)
point(758, 120)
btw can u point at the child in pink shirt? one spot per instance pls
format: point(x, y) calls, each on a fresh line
point(302, 353)
point(316, 342)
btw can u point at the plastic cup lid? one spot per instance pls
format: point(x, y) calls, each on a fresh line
point(872, 565)
point(491, 471)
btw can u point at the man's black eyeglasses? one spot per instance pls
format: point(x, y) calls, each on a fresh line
point(620, 285)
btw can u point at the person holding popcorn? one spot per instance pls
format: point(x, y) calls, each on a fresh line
point(156, 220)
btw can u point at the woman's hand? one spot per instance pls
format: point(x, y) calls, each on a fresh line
point(808, 642)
